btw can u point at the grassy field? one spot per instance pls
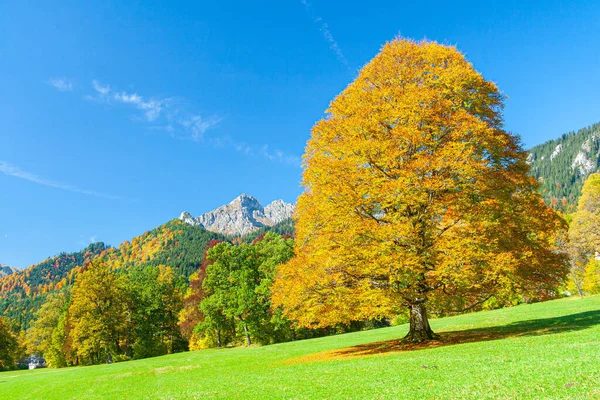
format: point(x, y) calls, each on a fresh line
point(546, 350)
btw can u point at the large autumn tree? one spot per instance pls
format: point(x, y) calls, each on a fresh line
point(416, 196)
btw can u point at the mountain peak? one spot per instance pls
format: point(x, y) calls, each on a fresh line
point(245, 200)
point(7, 270)
point(187, 218)
point(242, 215)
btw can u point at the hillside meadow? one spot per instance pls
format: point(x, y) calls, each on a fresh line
point(542, 350)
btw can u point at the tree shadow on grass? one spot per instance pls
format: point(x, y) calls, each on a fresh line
point(534, 327)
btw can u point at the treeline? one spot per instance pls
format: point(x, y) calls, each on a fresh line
point(43, 300)
point(110, 315)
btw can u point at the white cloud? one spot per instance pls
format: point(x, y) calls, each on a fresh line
point(151, 108)
point(16, 172)
point(327, 35)
point(198, 125)
point(62, 84)
point(174, 117)
point(169, 116)
point(103, 90)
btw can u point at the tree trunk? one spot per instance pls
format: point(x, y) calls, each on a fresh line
point(247, 334)
point(293, 335)
point(420, 331)
point(218, 338)
point(108, 357)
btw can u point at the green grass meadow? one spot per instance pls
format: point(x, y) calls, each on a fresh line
point(540, 351)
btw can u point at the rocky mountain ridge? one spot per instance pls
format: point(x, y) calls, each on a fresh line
point(241, 216)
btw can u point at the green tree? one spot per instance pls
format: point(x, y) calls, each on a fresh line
point(232, 278)
point(273, 250)
point(156, 299)
point(237, 286)
point(215, 325)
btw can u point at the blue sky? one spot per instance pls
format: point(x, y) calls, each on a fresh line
point(114, 118)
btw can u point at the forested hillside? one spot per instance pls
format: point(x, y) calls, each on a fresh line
point(562, 165)
point(23, 292)
point(175, 244)
point(283, 228)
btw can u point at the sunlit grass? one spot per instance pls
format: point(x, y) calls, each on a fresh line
point(545, 350)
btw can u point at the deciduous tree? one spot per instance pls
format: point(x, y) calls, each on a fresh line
point(99, 314)
point(47, 335)
point(584, 233)
point(237, 286)
point(156, 298)
point(190, 315)
point(416, 196)
point(11, 346)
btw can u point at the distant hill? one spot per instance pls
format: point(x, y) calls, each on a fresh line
point(562, 165)
point(6, 270)
point(24, 291)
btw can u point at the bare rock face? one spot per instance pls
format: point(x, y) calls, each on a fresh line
point(279, 210)
point(243, 215)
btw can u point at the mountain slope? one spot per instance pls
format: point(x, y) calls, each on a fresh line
point(242, 215)
point(23, 292)
point(562, 165)
point(176, 244)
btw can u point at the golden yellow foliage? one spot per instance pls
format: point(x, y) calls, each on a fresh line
point(584, 234)
point(415, 194)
